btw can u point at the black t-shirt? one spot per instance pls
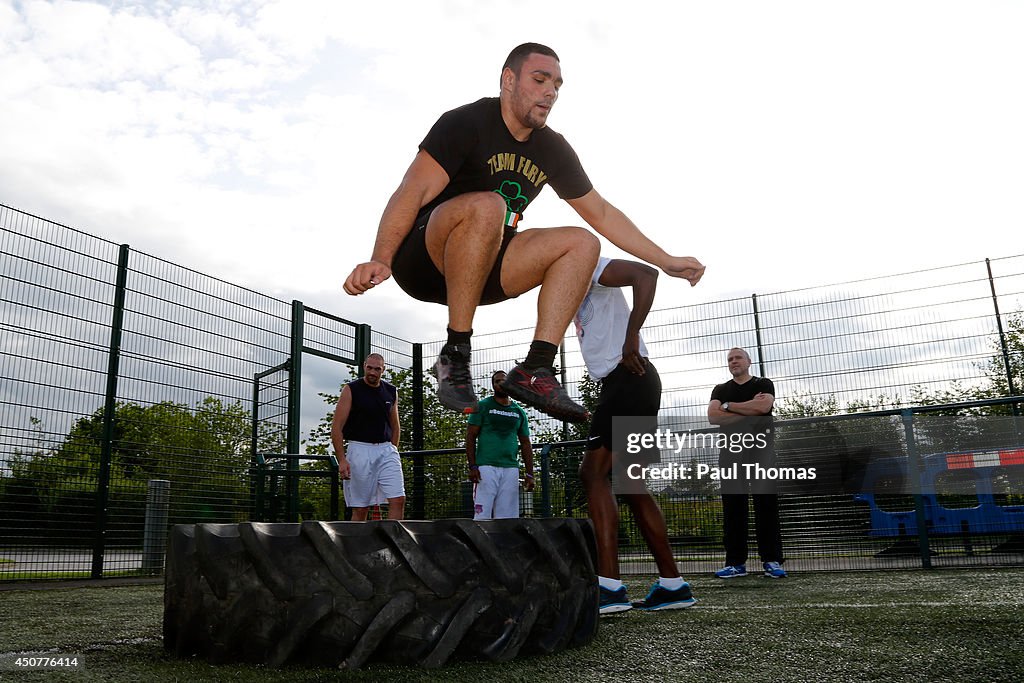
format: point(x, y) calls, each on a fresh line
point(369, 419)
point(475, 148)
point(732, 392)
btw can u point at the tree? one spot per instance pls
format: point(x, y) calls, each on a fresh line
point(961, 429)
point(996, 367)
point(203, 451)
point(995, 380)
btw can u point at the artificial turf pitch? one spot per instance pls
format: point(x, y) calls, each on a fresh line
point(938, 625)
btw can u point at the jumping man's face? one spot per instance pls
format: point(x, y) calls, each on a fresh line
point(372, 370)
point(535, 90)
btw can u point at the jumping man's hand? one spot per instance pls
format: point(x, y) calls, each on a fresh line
point(366, 276)
point(685, 267)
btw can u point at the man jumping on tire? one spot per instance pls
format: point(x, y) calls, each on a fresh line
point(448, 233)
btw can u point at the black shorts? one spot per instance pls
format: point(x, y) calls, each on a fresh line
point(624, 394)
point(418, 277)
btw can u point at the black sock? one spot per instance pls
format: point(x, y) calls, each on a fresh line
point(459, 338)
point(542, 355)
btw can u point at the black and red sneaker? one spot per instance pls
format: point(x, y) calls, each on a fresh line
point(454, 381)
point(540, 389)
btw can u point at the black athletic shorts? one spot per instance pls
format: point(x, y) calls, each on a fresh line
point(418, 277)
point(624, 394)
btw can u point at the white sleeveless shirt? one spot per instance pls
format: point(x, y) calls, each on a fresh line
point(601, 323)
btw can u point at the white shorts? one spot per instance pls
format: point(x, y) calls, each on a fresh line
point(376, 471)
point(497, 494)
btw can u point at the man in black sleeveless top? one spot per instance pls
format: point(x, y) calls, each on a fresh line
point(366, 419)
point(449, 232)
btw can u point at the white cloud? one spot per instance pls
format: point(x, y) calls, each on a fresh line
point(785, 144)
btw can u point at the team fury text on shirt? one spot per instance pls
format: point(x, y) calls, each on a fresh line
point(508, 161)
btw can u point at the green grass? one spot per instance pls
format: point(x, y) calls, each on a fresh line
point(941, 625)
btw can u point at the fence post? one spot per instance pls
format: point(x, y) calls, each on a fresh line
point(294, 407)
point(561, 364)
point(914, 470)
point(109, 412)
point(569, 486)
point(259, 474)
point(255, 493)
point(1010, 389)
point(255, 490)
point(361, 349)
point(335, 489)
point(362, 345)
point(419, 480)
point(545, 481)
point(757, 335)
point(154, 540)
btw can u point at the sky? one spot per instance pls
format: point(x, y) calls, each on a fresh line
point(784, 144)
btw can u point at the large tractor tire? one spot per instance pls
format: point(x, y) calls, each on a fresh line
point(414, 592)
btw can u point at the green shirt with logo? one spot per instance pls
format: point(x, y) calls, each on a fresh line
point(500, 429)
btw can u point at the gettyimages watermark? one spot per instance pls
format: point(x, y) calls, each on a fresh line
point(665, 439)
point(868, 456)
point(735, 472)
point(741, 457)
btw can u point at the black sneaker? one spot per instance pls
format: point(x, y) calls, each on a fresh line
point(540, 389)
point(660, 598)
point(614, 601)
point(454, 381)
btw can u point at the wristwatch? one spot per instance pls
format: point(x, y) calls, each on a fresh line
point(725, 406)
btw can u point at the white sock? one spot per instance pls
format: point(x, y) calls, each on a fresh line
point(609, 584)
point(671, 584)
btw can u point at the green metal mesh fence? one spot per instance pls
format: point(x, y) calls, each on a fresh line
point(136, 393)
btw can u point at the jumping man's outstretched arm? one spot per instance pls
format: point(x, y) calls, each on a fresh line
point(611, 223)
point(423, 181)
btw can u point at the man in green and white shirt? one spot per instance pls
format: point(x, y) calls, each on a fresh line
point(497, 429)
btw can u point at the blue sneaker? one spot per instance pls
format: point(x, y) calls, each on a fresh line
point(662, 598)
point(614, 601)
point(773, 571)
point(732, 571)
